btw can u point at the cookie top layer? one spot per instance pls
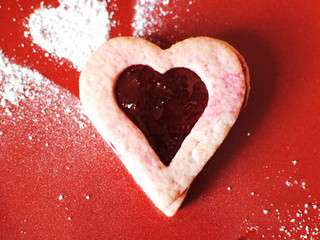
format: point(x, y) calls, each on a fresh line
point(220, 67)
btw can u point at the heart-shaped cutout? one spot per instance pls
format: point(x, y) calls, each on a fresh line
point(164, 106)
point(225, 75)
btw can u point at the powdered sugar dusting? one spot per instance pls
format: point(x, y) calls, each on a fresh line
point(45, 134)
point(41, 122)
point(14, 83)
point(296, 219)
point(21, 87)
point(147, 14)
point(73, 30)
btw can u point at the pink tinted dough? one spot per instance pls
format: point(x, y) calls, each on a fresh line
point(218, 65)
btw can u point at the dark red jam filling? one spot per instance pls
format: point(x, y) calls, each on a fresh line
point(165, 107)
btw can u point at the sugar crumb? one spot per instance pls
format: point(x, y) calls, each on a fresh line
point(60, 197)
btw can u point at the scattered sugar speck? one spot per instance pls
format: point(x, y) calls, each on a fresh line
point(288, 183)
point(60, 197)
point(265, 211)
point(7, 112)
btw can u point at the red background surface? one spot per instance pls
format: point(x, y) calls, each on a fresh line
point(279, 40)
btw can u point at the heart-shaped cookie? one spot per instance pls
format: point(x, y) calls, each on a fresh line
point(225, 75)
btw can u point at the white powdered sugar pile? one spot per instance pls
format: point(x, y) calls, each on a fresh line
point(148, 13)
point(74, 30)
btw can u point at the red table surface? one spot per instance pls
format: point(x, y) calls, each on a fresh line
point(240, 194)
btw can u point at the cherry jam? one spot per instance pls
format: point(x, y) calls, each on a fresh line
point(165, 107)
